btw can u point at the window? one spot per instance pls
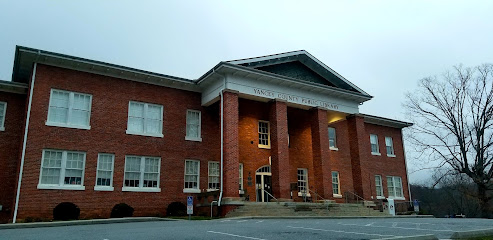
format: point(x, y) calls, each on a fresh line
point(336, 188)
point(192, 175)
point(374, 144)
point(394, 186)
point(303, 182)
point(104, 174)
point(193, 126)
point(378, 185)
point(145, 119)
point(263, 134)
point(213, 175)
point(241, 179)
point(390, 147)
point(142, 174)
point(332, 139)
point(62, 170)
point(69, 109)
point(3, 111)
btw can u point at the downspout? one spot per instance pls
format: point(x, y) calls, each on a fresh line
point(16, 208)
point(222, 139)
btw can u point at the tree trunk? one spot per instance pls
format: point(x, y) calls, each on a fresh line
point(483, 200)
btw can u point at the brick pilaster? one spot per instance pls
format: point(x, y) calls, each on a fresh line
point(231, 148)
point(278, 118)
point(359, 147)
point(320, 149)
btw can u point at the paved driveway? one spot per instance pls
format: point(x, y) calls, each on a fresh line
point(257, 229)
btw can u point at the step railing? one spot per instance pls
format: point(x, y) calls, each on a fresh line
point(316, 195)
point(271, 195)
point(355, 197)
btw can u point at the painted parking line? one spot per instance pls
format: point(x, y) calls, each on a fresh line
point(242, 221)
point(259, 221)
point(234, 235)
point(339, 231)
point(394, 225)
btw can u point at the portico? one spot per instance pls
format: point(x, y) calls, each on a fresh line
point(267, 94)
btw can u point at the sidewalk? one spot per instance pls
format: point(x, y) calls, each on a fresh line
point(83, 222)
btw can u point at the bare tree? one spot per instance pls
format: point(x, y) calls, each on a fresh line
point(453, 124)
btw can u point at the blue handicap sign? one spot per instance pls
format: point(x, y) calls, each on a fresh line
point(189, 200)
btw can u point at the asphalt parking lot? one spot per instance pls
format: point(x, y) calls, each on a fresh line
point(366, 228)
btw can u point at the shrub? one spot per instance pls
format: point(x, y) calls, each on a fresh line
point(66, 211)
point(122, 210)
point(176, 209)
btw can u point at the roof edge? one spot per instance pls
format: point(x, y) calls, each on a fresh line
point(384, 121)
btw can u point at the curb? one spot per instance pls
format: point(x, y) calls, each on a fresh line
point(473, 234)
point(83, 222)
point(323, 217)
point(418, 237)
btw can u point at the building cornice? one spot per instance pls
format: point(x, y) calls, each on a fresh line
point(13, 87)
point(387, 122)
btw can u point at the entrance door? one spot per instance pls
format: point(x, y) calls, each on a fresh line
point(263, 184)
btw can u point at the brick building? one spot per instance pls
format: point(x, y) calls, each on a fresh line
point(97, 134)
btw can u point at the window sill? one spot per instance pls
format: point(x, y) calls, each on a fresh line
point(301, 194)
point(54, 124)
point(212, 190)
point(264, 146)
point(145, 134)
point(62, 187)
point(396, 198)
point(337, 195)
point(334, 149)
point(191, 190)
point(241, 192)
point(136, 189)
point(103, 188)
point(193, 139)
point(380, 197)
point(376, 153)
point(391, 155)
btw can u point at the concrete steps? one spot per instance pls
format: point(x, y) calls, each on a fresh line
point(303, 209)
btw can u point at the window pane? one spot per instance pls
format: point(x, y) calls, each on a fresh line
point(332, 137)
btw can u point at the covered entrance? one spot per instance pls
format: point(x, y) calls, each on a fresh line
point(263, 183)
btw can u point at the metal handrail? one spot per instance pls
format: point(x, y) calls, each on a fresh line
point(358, 197)
point(316, 194)
point(270, 195)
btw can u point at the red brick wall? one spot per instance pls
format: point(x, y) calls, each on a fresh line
point(278, 117)
point(384, 165)
point(251, 155)
point(110, 97)
point(340, 160)
point(231, 149)
point(10, 151)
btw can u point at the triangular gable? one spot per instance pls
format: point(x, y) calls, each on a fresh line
point(299, 65)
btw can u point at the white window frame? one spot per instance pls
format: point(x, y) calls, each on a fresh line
point(377, 153)
point(378, 183)
point(268, 134)
point(394, 187)
point(387, 141)
point(141, 187)
point(61, 185)
point(4, 114)
point(307, 190)
point(199, 130)
point(338, 194)
point(241, 190)
point(191, 190)
point(103, 187)
point(70, 109)
point(144, 133)
point(333, 148)
point(209, 175)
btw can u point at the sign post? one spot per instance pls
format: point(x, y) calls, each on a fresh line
point(189, 207)
point(416, 205)
point(391, 207)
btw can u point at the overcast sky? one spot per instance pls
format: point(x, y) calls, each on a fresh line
point(384, 47)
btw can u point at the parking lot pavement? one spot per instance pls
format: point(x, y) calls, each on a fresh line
point(367, 228)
